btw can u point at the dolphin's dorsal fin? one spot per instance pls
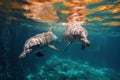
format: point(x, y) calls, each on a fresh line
point(51, 30)
point(53, 47)
point(69, 43)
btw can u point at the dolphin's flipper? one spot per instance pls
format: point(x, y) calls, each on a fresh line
point(69, 43)
point(39, 54)
point(53, 47)
point(82, 47)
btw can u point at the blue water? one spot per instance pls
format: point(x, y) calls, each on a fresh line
point(100, 61)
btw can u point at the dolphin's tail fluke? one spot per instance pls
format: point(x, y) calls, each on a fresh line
point(24, 53)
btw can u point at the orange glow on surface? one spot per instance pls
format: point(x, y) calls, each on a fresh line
point(114, 23)
point(55, 1)
point(117, 16)
point(96, 18)
point(41, 12)
point(86, 12)
point(101, 8)
point(76, 10)
point(104, 7)
point(38, 1)
point(65, 11)
point(42, 1)
point(115, 10)
point(80, 19)
point(68, 4)
point(74, 3)
point(92, 1)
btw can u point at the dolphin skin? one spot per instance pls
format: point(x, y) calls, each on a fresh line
point(38, 42)
point(76, 33)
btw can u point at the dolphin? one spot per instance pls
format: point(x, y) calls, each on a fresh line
point(38, 42)
point(75, 33)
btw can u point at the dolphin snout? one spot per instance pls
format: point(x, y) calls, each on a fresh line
point(87, 43)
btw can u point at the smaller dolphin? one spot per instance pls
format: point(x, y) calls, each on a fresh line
point(76, 33)
point(39, 41)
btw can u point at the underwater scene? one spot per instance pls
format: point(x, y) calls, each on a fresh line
point(59, 39)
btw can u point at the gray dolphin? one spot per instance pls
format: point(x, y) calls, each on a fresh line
point(76, 33)
point(38, 42)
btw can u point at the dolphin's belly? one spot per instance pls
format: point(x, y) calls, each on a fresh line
point(72, 37)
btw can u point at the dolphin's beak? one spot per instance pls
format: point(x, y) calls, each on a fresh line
point(87, 43)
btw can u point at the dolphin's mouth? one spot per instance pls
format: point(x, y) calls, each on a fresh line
point(86, 42)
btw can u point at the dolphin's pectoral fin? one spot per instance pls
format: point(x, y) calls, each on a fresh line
point(69, 43)
point(39, 54)
point(82, 47)
point(53, 47)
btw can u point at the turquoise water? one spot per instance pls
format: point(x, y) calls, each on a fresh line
point(100, 61)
